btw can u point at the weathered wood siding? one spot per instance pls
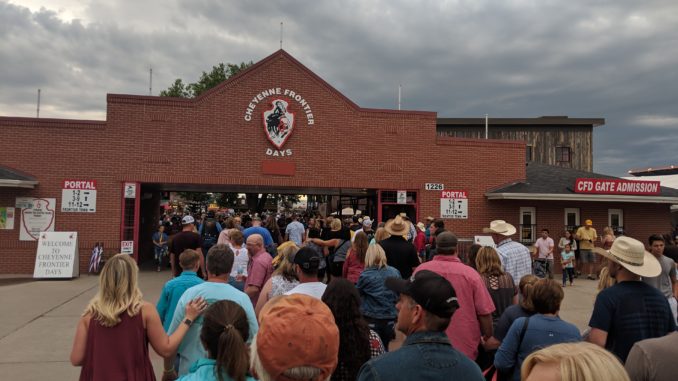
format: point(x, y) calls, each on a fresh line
point(543, 139)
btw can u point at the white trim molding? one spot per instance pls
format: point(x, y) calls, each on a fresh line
point(17, 183)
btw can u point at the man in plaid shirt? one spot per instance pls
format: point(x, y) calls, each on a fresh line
point(514, 256)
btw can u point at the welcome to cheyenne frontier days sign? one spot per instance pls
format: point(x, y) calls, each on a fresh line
point(614, 186)
point(278, 120)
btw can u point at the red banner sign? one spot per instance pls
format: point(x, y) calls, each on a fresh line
point(614, 186)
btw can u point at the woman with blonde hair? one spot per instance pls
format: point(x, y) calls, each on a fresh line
point(607, 238)
point(111, 340)
point(380, 235)
point(498, 283)
point(283, 278)
point(573, 362)
point(377, 301)
point(338, 243)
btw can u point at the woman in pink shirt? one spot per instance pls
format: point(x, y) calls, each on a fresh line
point(355, 260)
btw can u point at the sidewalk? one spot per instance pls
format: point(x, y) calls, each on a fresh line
point(38, 321)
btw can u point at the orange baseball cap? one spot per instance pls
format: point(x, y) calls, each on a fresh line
point(588, 223)
point(297, 330)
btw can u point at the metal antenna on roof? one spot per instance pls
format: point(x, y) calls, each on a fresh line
point(38, 110)
point(400, 92)
point(486, 126)
point(150, 81)
point(281, 34)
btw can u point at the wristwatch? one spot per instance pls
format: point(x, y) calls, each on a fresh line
point(188, 322)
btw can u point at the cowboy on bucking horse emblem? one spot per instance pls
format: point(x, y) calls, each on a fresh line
point(279, 122)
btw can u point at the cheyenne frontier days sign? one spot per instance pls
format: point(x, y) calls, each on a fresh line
point(614, 186)
point(279, 118)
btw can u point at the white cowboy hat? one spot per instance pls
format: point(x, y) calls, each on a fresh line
point(397, 226)
point(500, 227)
point(631, 254)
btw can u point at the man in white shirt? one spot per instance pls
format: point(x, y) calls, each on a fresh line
point(306, 263)
point(295, 231)
point(544, 258)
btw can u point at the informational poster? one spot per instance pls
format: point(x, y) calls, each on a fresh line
point(57, 255)
point(454, 204)
point(130, 190)
point(402, 197)
point(7, 218)
point(37, 219)
point(484, 240)
point(24, 202)
point(79, 196)
point(127, 247)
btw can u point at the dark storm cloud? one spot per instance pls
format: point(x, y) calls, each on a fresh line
point(611, 59)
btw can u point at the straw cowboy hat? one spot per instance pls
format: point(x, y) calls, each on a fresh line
point(631, 254)
point(500, 227)
point(397, 226)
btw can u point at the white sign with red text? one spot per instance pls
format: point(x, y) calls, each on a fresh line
point(37, 219)
point(127, 247)
point(79, 196)
point(454, 204)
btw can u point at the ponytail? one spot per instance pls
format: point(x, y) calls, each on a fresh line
point(232, 357)
point(526, 287)
point(224, 331)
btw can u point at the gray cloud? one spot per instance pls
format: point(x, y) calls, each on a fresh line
point(612, 59)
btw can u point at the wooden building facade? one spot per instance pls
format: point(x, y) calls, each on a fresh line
point(553, 140)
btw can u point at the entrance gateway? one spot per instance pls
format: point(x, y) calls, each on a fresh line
point(276, 127)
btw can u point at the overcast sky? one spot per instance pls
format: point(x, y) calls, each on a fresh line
point(615, 59)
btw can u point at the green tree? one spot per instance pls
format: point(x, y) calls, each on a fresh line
point(218, 74)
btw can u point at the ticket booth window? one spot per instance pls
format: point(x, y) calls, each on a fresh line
point(571, 218)
point(615, 220)
point(528, 225)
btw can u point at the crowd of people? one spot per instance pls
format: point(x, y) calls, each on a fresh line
point(322, 299)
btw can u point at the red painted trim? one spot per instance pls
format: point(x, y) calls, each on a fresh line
point(137, 208)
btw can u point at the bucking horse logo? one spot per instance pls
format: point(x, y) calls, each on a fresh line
point(279, 123)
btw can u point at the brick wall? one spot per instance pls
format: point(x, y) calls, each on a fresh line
point(161, 140)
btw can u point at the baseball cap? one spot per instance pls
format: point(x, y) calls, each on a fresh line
point(446, 241)
point(187, 220)
point(588, 223)
point(367, 222)
point(430, 290)
point(297, 330)
point(307, 259)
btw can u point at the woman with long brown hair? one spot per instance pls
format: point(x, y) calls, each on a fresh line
point(355, 260)
point(224, 332)
point(112, 337)
point(357, 342)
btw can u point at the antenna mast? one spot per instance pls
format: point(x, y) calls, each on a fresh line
point(400, 92)
point(281, 34)
point(150, 81)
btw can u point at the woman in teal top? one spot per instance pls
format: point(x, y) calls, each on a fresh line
point(224, 331)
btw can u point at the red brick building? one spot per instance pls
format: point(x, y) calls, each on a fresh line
point(149, 144)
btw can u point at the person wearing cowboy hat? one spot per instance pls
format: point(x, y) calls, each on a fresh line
point(631, 310)
point(514, 256)
point(399, 253)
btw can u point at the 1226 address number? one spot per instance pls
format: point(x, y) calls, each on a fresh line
point(434, 186)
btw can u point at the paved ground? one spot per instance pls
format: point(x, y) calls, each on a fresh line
point(38, 320)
